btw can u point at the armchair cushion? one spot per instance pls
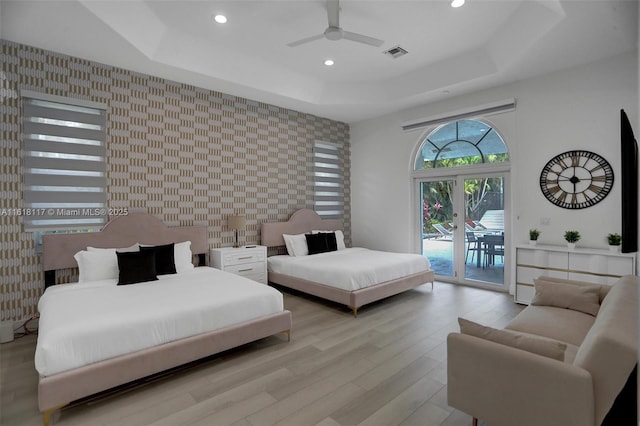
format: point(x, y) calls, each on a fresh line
point(565, 325)
point(569, 296)
point(527, 342)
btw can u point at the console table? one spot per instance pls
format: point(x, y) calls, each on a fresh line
point(599, 266)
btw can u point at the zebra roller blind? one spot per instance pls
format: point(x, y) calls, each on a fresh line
point(328, 180)
point(65, 182)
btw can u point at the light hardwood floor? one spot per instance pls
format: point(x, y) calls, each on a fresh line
point(386, 367)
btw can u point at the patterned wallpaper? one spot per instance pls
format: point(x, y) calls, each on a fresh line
point(184, 154)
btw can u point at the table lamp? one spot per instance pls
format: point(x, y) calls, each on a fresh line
point(236, 223)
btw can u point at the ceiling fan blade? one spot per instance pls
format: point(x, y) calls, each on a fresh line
point(333, 13)
point(305, 40)
point(362, 39)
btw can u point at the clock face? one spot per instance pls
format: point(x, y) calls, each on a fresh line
point(576, 179)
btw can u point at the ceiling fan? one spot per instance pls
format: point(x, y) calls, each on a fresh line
point(334, 32)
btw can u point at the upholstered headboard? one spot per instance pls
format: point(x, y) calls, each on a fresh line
point(300, 222)
point(123, 231)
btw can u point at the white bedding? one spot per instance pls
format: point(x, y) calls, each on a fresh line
point(84, 323)
point(349, 269)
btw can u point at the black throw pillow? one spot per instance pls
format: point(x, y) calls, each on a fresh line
point(321, 242)
point(136, 267)
point(332, 242)
point(165, 258)
point(316, 243)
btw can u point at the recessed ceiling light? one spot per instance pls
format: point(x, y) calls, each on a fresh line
point(457, 3)
point(328, 62)
point(220, 19)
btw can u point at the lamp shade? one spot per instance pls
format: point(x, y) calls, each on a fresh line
point(236, 222)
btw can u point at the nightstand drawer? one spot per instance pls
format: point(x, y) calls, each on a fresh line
point(253, 271)
point(244, 256)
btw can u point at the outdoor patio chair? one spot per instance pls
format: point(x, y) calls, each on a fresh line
point(493, 246)
point(472, 245)
point(444, 232)
point(478, 226)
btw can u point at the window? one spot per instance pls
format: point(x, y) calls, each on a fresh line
point(328, 180)
point(65, 182)
point(460, 143)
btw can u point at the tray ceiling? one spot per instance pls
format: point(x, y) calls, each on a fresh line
point(450, 51)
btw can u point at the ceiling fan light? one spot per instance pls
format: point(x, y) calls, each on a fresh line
point(328, 62)
point(457, 3)
point(220, 19)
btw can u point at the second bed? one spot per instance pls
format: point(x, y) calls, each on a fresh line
point(350, 276)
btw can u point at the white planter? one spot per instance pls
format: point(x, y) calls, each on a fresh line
point(614, 249)
point(571, 246)
point(533, 242)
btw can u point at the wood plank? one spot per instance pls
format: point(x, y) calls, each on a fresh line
point(308, 395)
point(363, 406)
point(405, 404)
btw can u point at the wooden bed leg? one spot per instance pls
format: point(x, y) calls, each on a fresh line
point(288, 335)
point(46, 415)
point(355, 311)
point(475, 421)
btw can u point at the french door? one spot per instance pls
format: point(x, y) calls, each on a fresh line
point(462, 227)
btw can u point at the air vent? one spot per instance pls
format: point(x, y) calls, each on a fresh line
point(395, 52)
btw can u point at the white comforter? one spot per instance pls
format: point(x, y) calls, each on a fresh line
point(81, 324)
point(350, 269)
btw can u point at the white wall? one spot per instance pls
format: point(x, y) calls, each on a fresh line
point(576, 108)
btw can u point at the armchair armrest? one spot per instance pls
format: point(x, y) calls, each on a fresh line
point(508, 386)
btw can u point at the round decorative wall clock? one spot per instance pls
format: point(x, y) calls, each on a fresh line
point(576, 179)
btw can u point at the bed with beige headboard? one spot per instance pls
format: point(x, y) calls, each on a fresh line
point(57, 389)
point(306, 221)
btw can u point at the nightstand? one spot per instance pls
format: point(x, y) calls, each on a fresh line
point(249, 262)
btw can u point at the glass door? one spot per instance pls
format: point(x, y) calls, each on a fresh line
point(462, 227)
point(484, 229)
point(438, 225)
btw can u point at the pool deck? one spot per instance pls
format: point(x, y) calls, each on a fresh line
point(439, 253)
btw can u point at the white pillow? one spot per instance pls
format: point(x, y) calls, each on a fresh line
point(296, 244)
point(97, 265)
point(109, 261)
point(339, 238)
point(183, 257)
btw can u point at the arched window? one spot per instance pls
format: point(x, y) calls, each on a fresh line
point(461, 143)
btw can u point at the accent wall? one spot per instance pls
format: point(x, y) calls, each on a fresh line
point(187, 155)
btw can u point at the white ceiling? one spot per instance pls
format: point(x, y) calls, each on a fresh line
point(451, 51)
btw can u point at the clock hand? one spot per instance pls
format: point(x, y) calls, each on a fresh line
point(574, 180)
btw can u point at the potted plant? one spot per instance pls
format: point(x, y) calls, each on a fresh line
point(533, 236)
point(572, 237)
point(614, 241)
